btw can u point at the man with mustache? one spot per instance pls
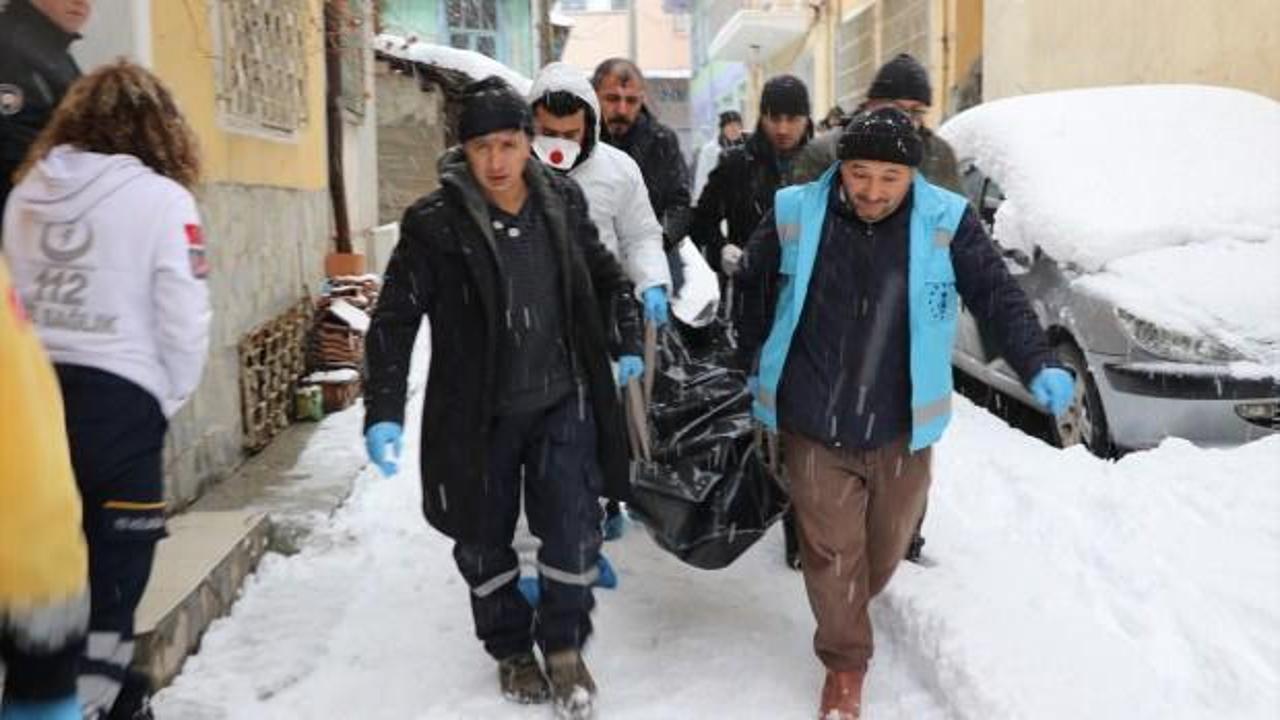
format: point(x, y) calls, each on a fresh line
point(866, 266)
point(630, 126)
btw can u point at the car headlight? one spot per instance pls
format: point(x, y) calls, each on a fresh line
point(1176, 346)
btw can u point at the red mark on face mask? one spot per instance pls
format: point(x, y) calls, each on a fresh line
point(557, 157)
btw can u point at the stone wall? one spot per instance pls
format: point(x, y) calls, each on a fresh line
point(267, 248)
point(410, 140)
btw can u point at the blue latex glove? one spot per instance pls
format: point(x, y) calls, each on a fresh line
point(655, 305)
point(607, 579)
point(376, 440)
point(65, 709)
point(629, 366)
point(753, 384)
point(531, 589)
point(1053, 388)
point(614, 527)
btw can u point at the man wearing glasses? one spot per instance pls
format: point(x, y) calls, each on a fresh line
point(903, 83)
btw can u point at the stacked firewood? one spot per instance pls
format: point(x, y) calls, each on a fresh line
point(337, 338)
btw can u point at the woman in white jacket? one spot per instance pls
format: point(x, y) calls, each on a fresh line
point(107, 254)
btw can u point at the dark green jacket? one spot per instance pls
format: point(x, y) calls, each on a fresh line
point(939, 165)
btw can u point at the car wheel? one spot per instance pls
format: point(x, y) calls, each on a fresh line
point(1084, 422)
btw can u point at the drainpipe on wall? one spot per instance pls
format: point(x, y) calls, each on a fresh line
point(632, 40)
point(334, 15)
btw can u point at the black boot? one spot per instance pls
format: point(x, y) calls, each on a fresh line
point(915, 548)
point(572, 686)
point(134, 700)
point(793, 543)
point(917, 540)
point(522, 680)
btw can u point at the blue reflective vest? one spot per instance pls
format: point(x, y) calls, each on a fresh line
point(800, 213)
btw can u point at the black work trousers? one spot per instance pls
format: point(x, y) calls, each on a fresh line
point(550, 456)
point(116, 431)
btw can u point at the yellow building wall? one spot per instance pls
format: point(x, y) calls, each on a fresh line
point(967, 39)
point(185, 56)
point(598, 36)
point(1038, 46)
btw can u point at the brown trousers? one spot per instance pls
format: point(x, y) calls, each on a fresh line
point(856, 511)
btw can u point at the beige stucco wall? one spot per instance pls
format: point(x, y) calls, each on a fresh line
point(811, 59)
point(597, 36)
point(1037, 46)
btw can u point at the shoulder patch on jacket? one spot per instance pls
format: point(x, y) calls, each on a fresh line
point(196, 251)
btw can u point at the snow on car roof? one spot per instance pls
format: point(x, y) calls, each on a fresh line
point(1096, 174)
point(472, 63)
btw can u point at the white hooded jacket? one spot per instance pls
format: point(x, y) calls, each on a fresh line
point(109, 258)
point(616, 194)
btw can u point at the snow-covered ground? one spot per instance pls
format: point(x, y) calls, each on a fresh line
point(1062, 587)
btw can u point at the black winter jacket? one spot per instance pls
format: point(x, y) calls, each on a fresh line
point(35, 72)
point(656, 149)
point(445, 267)
point(740, 191)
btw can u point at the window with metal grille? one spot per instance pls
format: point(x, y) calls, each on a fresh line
point(473, 25)
point(262, 78)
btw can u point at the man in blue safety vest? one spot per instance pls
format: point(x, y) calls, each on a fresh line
point(850, 290)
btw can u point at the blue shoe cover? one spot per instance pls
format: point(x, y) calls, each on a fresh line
point(67, 709)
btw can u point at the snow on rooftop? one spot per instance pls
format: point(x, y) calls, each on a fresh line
point(1097, 174)
point(472, 63)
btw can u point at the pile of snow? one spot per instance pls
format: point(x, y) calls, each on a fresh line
point(475, 64)
point(1097, 174)
point(1072, 587)
point(1062, 586)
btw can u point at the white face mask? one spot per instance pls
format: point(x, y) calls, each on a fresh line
point(559, 153)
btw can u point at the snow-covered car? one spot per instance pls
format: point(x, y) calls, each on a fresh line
point(1144, 224)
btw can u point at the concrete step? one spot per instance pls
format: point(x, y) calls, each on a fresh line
point(196, 578)
point(270, 503)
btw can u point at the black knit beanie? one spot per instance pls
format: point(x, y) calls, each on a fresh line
point(730, 116)
point(784, 95)
point(885, 134)
point(902, 78)
point(490, 105)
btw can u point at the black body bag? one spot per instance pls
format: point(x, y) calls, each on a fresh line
point(706, 492)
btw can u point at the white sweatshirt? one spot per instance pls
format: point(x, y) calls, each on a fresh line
point(109, 258)
point(617, 198)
